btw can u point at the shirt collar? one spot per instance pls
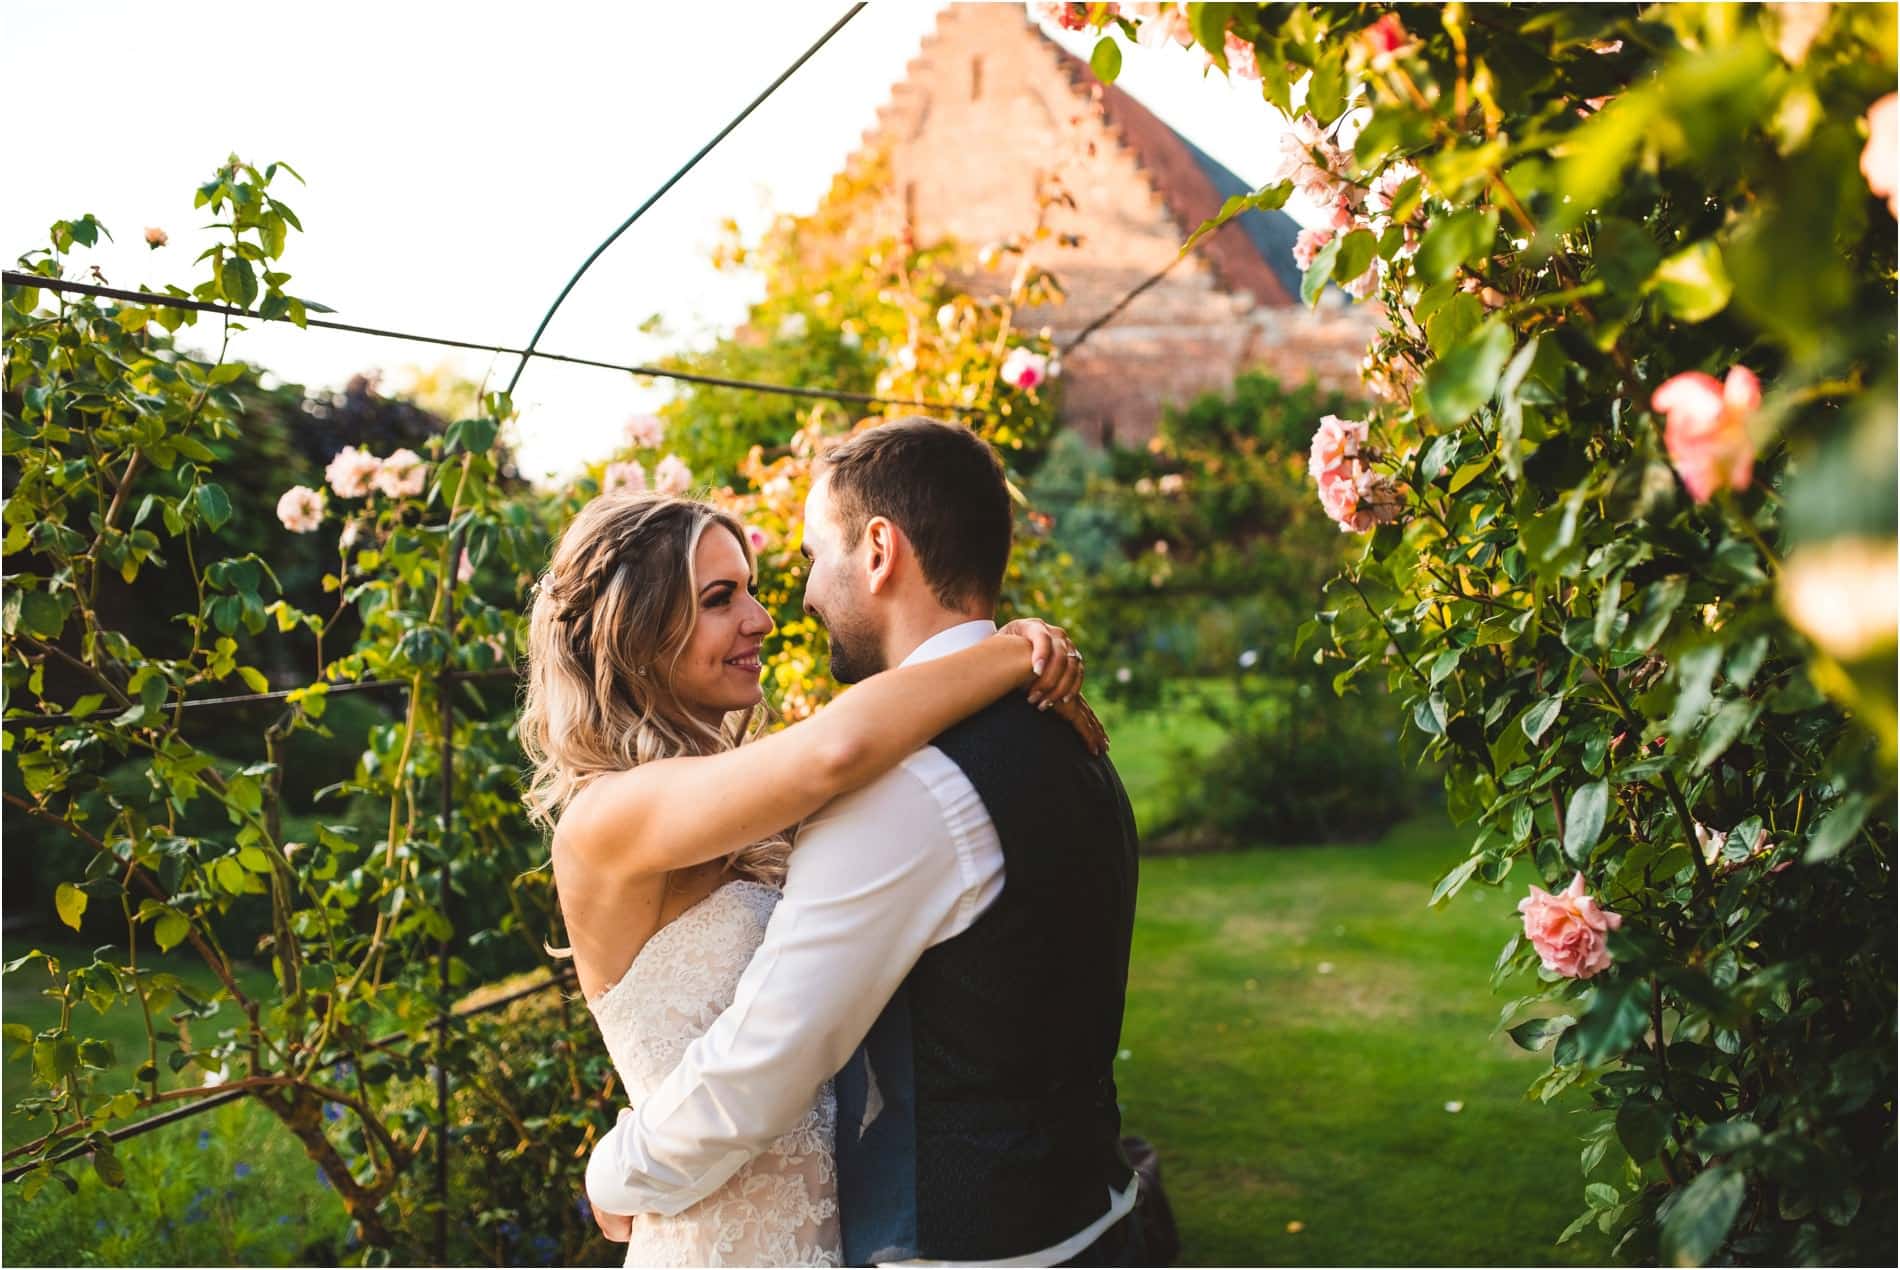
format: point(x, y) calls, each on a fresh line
point(952, 640)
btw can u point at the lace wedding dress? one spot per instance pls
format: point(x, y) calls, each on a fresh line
point(781, 1209)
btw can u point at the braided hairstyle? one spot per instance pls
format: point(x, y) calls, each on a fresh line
point(611, 617)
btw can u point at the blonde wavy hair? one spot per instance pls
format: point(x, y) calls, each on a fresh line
point(612, 615)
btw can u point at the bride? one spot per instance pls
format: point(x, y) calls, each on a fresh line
point(673, 817)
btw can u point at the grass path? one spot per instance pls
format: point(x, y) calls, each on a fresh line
point(1298, 1020)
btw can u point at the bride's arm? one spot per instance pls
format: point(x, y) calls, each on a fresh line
point(677, 812)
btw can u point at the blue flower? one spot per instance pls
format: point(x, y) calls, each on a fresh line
point(509, 1229)
point(544, 1248)
point(322, 1176)
point(242, 1169)
point(204, 1138)
point(585, 1209)
point(333, 1111)
point(100, 1224)
point(284, 1220)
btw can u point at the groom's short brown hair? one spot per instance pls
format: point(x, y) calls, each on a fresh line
point(943, 486)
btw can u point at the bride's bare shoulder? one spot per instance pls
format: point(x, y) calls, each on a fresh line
point(581, 832)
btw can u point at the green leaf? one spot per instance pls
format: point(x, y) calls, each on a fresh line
point(1357, 251)
point(41, 615)
point(1583, 820)
point(1455, 241)
point(1643, 1125)
point(1698, 1222)
point(1539, 717)
point(1617, 1015)
point(1730, 721)
point(1319, 273)
point(1660, 602)
point(1106, 59)
point(213, 504)
point(1726, 1137)
point(1837, 828)
point(1465, 377)
point(1469, 473)
point(237, 281)
point(1449, 322)
point(1537, 1033)
point(1692, 284)
point(474, 435)
point(1267, 198)
point(170, 929)
point(19, 1039)
point(1450, 884)
point(106, 1164)
point(1624, 255)
point(71, 903)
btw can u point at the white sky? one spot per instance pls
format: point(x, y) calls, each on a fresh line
point(463, 159)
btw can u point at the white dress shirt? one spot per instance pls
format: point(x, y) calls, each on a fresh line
point(878, 877)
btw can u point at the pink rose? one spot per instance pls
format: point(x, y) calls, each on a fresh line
point(1568, 929)
point(1365, 284)
point(623, 476)
point(1880, 161)
point(672, 476)
point(1027, 370)
point(1385, 186)
point(156, 237)
point(757, 537)
point(1339, 496)
point(1706, 429)
point(1841, 594)
point(351, 472)
point(300, 509)
point(1385, 37)
point(402, 474)
point(1160, 24)
point(1358, 498)
point(644, 432)
point(1070, 17)
point(1310, 161)
point(1240, 58)
point(1307, 246)
point(1336, 441)
point(464, 567)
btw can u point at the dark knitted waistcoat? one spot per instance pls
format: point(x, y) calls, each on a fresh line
point(978, 1120)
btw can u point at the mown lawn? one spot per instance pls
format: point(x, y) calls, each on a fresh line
point(1298, 1021)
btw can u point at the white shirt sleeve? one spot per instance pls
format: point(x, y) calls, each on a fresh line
point(876, 879)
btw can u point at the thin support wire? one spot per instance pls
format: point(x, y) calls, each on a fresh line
point(671, 181)
point(14, 278)
point(561, 979)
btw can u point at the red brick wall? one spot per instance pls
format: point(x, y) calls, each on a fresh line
point(987, 107)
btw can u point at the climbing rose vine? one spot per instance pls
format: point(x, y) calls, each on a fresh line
point(1628, 515)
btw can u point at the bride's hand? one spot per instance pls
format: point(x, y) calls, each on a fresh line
point(1059, 663)
point(1083, 720)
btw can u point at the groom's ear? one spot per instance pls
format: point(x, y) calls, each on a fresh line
point(881, 547)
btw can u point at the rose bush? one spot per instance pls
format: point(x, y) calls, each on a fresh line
point(114, 438)
point(1637, 376)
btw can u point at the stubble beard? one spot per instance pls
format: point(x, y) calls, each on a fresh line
point(855, 652)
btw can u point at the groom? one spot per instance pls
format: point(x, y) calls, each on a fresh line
point(953, 939)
